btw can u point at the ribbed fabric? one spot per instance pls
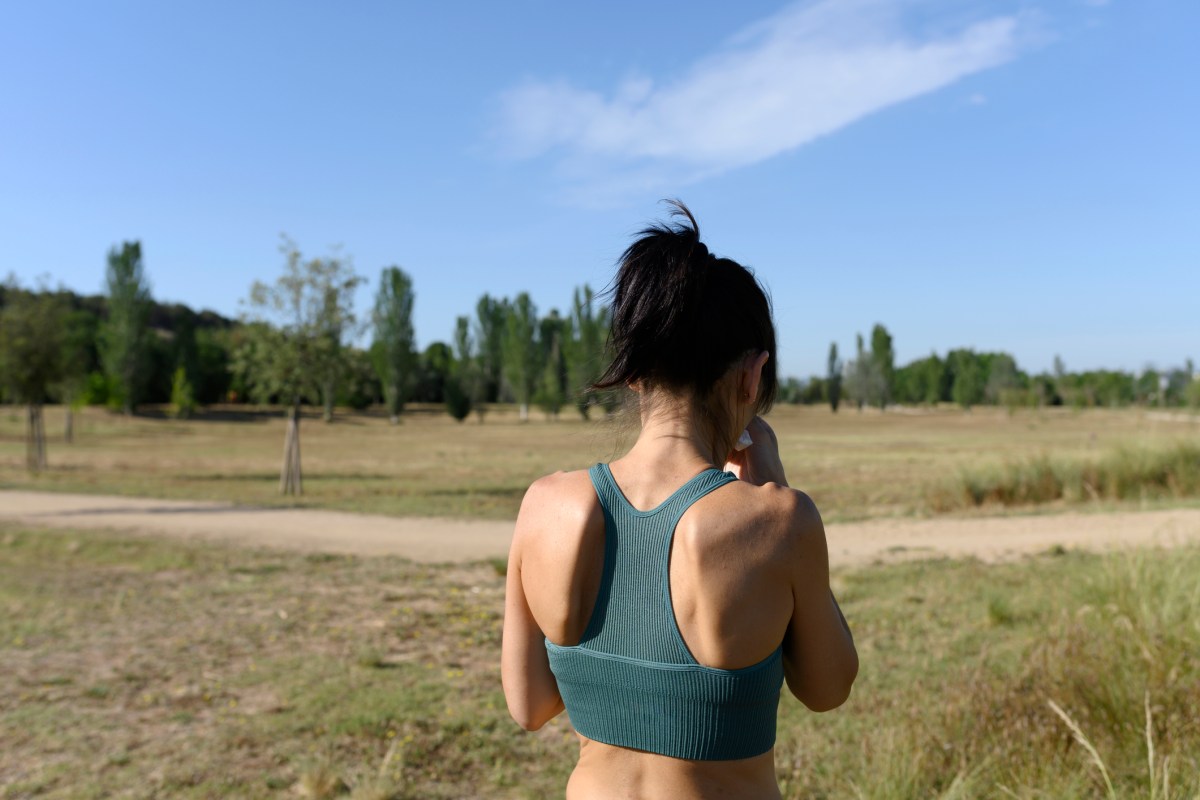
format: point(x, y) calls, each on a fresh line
point(631, 680)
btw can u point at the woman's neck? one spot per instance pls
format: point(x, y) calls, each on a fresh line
point(672, 436)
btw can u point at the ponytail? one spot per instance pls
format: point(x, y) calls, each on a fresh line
point(681, 317)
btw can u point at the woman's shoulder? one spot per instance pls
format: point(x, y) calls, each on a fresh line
point(787, 517)
point(556, 504)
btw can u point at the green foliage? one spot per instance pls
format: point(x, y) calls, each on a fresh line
point(522, 366)
point(791, 391)
point(458, 400)
point(96, 389)
point(968, 377)
point(926, 380)
point(865, 382)
point(124, 335)
point(183, 400)
point(491, 317)
point(586, 357)
point(291, 343)
point(554, 333)
point(883, 358)
point(80, 330)
point(31, 344)
point(833, 378)
point(360, 385)
point(394, 349)
point(213, 373)
point(469, 373)
point(435, 367)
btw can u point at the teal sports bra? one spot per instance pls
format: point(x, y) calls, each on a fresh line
point(631, 680)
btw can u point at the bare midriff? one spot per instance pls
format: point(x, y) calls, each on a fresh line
point(606, 772)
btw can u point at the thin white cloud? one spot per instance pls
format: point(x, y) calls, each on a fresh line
point(802, 73)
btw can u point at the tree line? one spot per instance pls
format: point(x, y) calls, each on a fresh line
point(969, 378)
point(295, 344)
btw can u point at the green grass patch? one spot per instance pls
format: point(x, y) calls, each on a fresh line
point(181, 669)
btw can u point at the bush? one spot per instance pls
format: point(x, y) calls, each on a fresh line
point(96, 390)
point(183, 400)
point(458, 402)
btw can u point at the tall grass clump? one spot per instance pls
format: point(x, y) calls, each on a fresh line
point(1129, 473)
point(1090, 689)
point(1107, 702)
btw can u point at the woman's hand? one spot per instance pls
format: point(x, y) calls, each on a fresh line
point(759, 463)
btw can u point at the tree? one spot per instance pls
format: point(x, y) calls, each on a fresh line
point(292, 333)
point(551, 390)
point(78, 354)
point(334, 282)
point(433, 372)
point(864, 380)
point(1147, 387)
point(1003, 381)
point(520, 351)
point(834, 378)
point(585, 352)
point(968, 378)
point(491, 317)
point(31, 345)
point(468, 380)
point(124, 336)
point(359, 388)
point(883, 359)
point(183, 399)
point(394, 349)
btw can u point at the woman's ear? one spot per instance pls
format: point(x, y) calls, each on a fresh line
point(752, 375)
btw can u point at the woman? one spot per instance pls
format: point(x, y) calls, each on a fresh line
point(660, 600)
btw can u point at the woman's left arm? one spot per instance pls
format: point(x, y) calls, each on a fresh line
point(529, 686)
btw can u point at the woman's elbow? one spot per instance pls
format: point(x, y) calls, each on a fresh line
point(831, 692)
point(533, 717)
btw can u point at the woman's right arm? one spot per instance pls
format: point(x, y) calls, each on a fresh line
point(820, 660)
point(529, 686)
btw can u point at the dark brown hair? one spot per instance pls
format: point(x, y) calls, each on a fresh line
point(681, 317)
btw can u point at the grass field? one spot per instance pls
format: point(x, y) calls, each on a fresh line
point(144, 668)
point(855, 465)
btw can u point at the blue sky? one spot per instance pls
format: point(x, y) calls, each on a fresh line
point(1003, 174)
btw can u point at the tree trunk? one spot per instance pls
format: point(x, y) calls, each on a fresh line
point(35, 440)
point(289, 477)
point(524, 412)
point(69, 425)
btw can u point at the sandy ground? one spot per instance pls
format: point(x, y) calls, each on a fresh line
point(438, 540)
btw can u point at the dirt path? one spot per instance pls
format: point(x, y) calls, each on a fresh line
point(434, 540)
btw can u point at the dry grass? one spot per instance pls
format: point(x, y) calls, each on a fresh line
point(1140, 474)
point(855, 465)
point(136, 667)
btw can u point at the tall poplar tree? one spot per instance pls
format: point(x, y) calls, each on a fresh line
point(834, 378)
point(520, 351)
point(585, 353)
point(125, 334)
point(883, 356)
point(553, 334)
point(491, 316)
point(394, 349)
